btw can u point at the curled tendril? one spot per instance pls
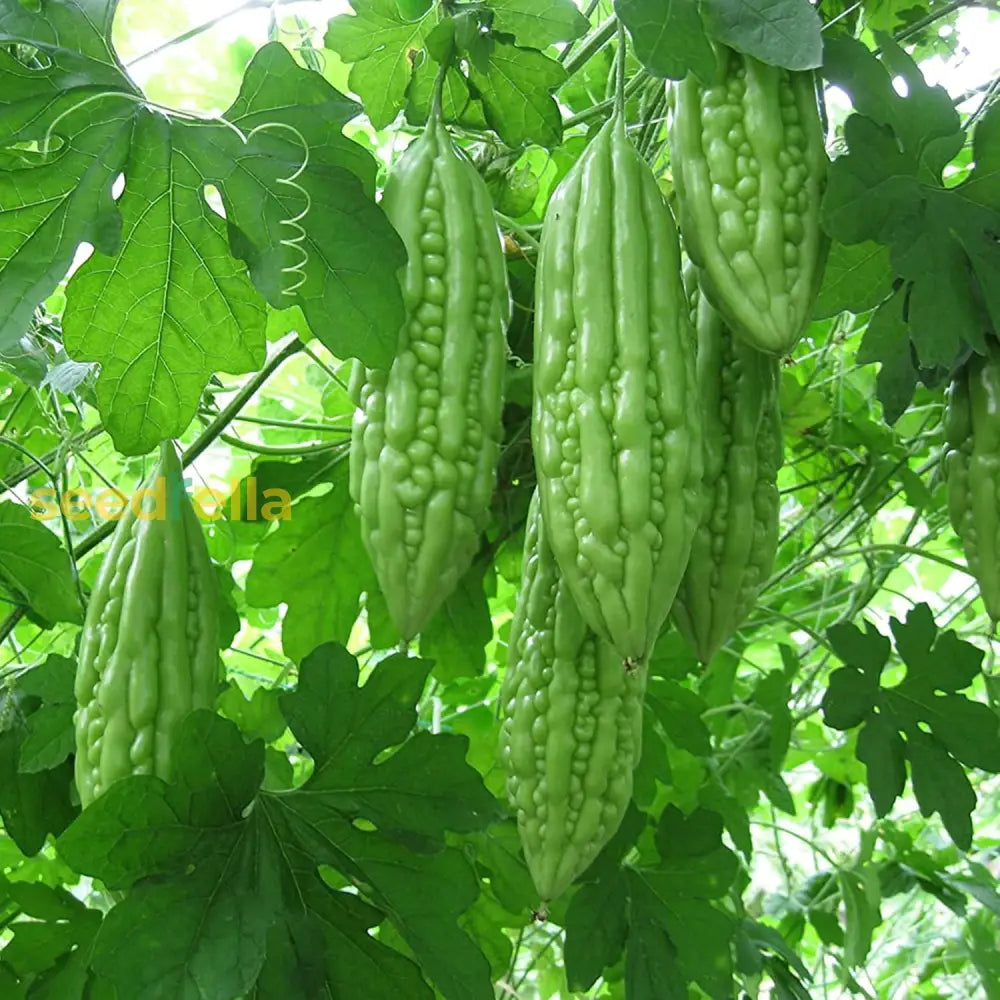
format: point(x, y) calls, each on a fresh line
point(82, 103)
point(293, 243)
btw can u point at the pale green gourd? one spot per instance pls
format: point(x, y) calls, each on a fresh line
point(735, 544)
point(571, 727)
point(972, 430)
point(749, 165)
point(149, 647)
point(616, 422)
point(426, 436)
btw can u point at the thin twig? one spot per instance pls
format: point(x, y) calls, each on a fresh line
point(200, 29)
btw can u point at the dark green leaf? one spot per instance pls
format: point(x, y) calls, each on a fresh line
point(983, 183)
point(596, 927)
point(934, 662)
point(376, 39)
point(700, 932)
point(609, 859)
point(772, 692)
point(942, 728)
point(887, 340)
point(333, 947)
point(652, 971)
point(456, 636)
point(32, 805)
point(425, 894)
point(669, 39)
point(880, 748)
point(980, 934)
point(34, 565)
point(694, 859)
point(259, 715)
point(859, 891)
point(282, 109)
point(850, 697)
point(941, 786)
point(773, 785)
point(538, 25)
point(873, 190)
point(767, 939)
point(653, 768)
point(49, 739)
point(734, 815)
point(152, 828)
point(857, 278)
point(679, 711)
point(516, 90)
point(980, 886)
point(189, 938)
point(921, 120)
point(499, 852)
point(779, 33)
point(298, 564)
point(942, 311)
point(237, 870)
point(327, 704)
point(868, 650)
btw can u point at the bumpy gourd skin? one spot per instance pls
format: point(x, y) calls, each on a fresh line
point(734, 547)
point(749, 167)
point(616, 424)
point(572, 725)
point(149, 649)
point(426, 436)
point(972, 428)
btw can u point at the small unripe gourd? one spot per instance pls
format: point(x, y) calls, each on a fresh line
point(149, 648)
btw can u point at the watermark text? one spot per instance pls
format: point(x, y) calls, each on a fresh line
point(243, 502)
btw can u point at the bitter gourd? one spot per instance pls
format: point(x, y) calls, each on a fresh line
point(749, 167)
point(426, 433)
point(571, 724)
point(149, 648)
point(972, 428)
point(616, 424)
point(734, 546)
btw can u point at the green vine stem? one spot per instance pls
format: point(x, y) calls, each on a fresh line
point(283, 450)
point(603, 107)
point(55, 455)
point(620, 71)
point(200, 29)
point(296, 425)
point(591, 45)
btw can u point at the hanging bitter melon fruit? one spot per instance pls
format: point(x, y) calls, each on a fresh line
point(616, 424)
point(426, 434)
point(749, 165)
point(571, 724)
point(149, 648)
point(735, 544)
point(972, 429)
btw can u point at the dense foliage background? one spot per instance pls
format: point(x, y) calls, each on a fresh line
point(211, 189)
